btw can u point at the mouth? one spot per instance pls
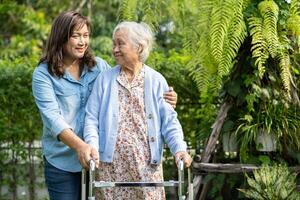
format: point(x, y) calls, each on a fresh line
point(117, 55)
point(80, 50)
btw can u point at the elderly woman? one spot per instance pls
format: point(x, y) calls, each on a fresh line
point(127, 118)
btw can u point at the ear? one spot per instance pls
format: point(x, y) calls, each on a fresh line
point(140, 48)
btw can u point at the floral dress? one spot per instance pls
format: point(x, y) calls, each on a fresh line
point(131, 161)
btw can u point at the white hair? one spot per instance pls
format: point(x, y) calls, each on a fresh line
point(139, 34)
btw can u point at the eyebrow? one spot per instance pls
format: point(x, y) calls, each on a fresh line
point(78, 32)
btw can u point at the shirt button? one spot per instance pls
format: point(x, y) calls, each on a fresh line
point(152, 139)
point(154, 161)
point(150, 116)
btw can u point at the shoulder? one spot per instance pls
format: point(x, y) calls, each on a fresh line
point(41, 69)
point(101, 65)
point(112, 71)
point(109, 75)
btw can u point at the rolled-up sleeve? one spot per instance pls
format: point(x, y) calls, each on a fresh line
point(45, 99)
point(90, 133)
point(170, 125)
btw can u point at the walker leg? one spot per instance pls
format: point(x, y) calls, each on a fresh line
point(83, 185)
point(92, 179)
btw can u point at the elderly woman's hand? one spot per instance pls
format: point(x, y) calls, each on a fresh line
point(171, 97)
point(185, 157)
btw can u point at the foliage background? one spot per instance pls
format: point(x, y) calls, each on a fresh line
point(211, 51)
point(23, 33)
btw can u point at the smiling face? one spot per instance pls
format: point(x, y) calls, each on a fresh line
point(78, 43)
point(124, 51)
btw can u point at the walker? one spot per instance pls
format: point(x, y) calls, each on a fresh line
point(102, 184)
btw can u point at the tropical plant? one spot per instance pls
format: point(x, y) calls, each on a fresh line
point(272, 183)
point(244, 55)
point(220, 28)
point(272, 119)
point(224, 39)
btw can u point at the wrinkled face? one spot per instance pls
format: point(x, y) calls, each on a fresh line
point(77, 43)
point(125, 53)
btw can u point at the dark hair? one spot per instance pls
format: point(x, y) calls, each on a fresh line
point(62, 29)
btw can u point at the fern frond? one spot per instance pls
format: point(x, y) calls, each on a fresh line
point(221, 15)
point(269, 11)
point(295, 7)
point(152, 13)
point(195, 29)
point(284, 64)
point(201, 66)
point(127, 10)
point(200, 75)
point(293, 24)
point(259, 45)
point(186, 14)
point(235, 36)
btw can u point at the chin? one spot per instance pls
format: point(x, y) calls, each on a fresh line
point(118, 62)
point(80, 55)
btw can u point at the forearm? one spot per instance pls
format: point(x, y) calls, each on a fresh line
point(68, 137)
point(84, 151)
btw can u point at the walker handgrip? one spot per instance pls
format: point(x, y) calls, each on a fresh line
point(92, 178)
point(180, 165)
point(92, 165)
point(180, 179)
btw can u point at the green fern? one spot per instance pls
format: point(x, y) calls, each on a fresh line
point(221, 14)
point(127, 10)
point(236, 34)
point(196, 32)
point(222, 31)
point(294, 18)
point(214, 30)
point(284, 64)
point(295, 7)
point(293, 24)
point(269, 11)
point(152, 12)
point(259, 45)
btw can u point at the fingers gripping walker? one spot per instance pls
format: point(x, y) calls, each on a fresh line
point(102, 184)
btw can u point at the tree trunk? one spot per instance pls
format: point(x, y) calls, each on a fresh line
point(211, 144)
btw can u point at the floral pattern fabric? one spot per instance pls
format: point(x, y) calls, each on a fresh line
point(131, 160)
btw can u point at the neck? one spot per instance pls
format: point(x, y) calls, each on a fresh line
point(68, 62)
point(72, 66)
point(132, 70)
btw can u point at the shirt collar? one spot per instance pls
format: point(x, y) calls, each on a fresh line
point(137, 80)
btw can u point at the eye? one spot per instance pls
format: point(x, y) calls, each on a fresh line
point(121, 44)
point(75, 35)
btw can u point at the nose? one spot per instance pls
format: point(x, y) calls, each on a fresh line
point(115, 49)
point(81, 40)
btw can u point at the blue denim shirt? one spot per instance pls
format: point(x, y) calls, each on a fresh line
point(61, 102)
point(101, 122)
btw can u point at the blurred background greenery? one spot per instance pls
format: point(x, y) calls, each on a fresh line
point(24, 27)
point(244, 53)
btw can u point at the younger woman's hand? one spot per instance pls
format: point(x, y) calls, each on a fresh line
point(171, 97)
point(86, 153)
